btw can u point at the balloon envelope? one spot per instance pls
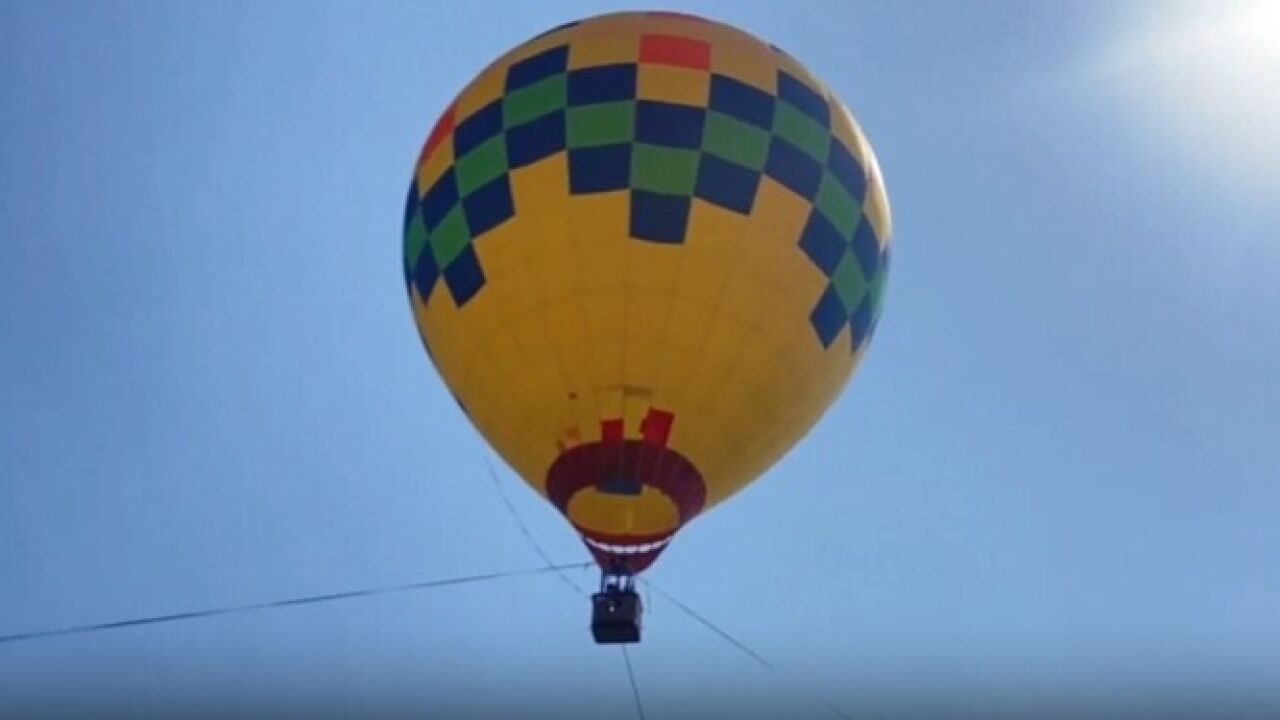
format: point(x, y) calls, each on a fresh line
point(645, 251)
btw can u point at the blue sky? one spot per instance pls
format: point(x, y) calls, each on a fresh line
point(1054, 478)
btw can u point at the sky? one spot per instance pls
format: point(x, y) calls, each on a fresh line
point(1053, 481)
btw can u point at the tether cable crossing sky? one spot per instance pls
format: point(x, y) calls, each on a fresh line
point(291, 602)
point(550, 566)
point(524, 529)
point(635, 690)
point(737, 643)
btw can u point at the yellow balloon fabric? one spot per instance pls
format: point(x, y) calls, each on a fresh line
point(645, 251)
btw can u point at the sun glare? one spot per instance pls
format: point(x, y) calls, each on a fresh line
point(1208, 74)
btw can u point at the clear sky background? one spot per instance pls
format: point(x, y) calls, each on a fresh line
point(1054, 479)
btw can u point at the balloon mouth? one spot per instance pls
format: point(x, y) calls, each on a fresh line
point(626, 549)
point(625, 554)
point(627, 470)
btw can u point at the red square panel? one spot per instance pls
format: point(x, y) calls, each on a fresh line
point(656, 426)
point(611, 431)
point(675, 50)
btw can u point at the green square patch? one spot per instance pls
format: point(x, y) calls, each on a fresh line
point(450, 237)
point(841, 208)
point(485, 162)
point(532, 102)
point(801, 130)
point(601, 124)
point(849, 282)
point(877, 294)
point(732, 139)
point(415, 238)
point(673, 171)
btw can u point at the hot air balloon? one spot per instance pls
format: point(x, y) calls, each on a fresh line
point(645, 251)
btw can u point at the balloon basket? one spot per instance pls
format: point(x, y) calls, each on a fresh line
point(616, 610)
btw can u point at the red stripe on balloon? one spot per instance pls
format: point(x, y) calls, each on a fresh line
point(656, 426)
point(611, 431)
point(674, 50)
point(442, 130)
